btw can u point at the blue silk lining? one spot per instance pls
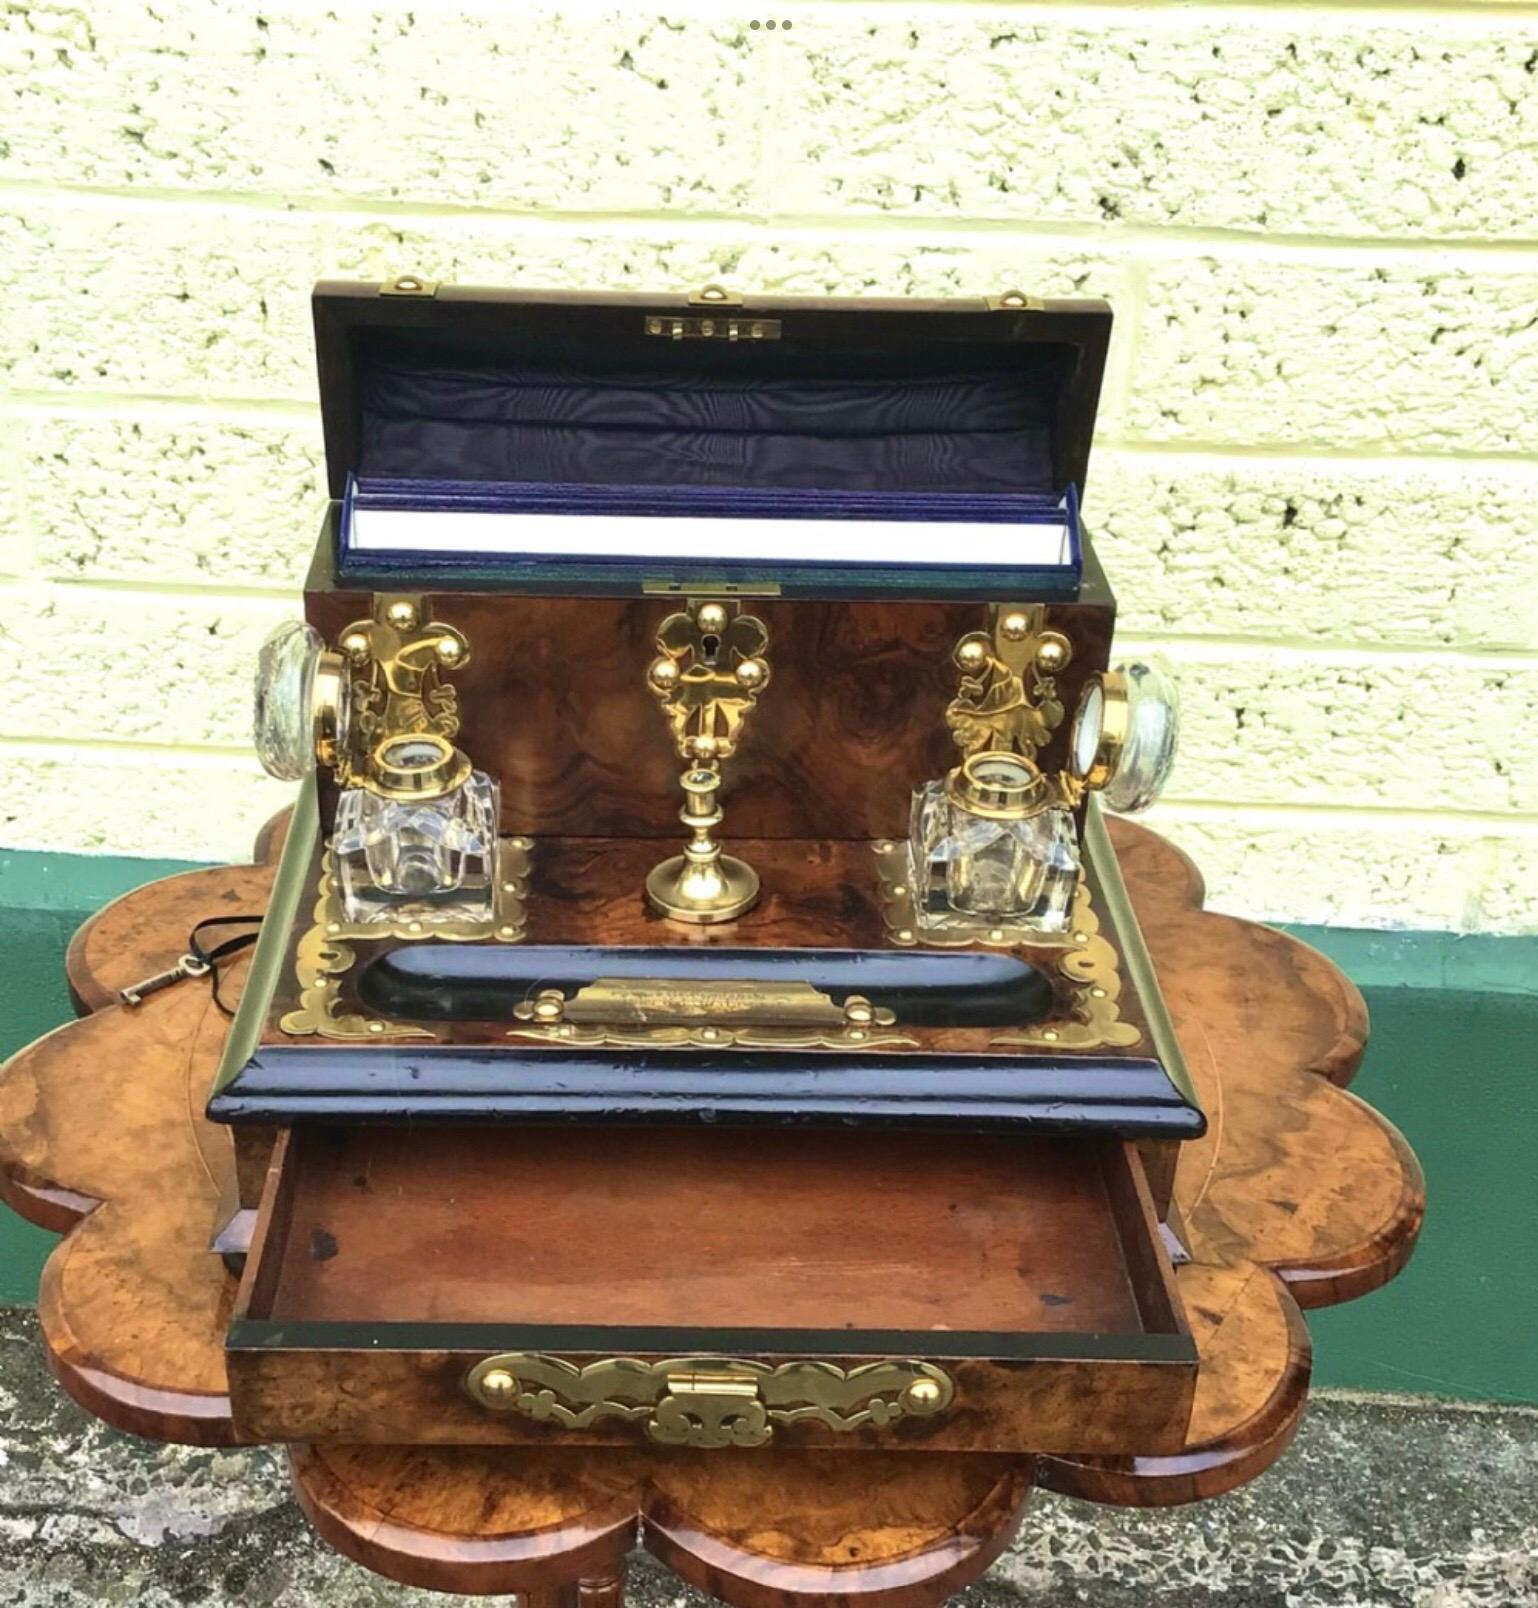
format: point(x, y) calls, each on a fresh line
point(928, 432)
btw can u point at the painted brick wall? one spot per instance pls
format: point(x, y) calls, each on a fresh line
point(1314, 483)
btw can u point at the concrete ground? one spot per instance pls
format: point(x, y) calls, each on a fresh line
point(1376, 1504)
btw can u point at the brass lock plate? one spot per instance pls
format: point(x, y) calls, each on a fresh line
point(709, 1402)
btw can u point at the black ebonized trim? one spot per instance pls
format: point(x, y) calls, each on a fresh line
point(277, 1334)
point(453, 1083)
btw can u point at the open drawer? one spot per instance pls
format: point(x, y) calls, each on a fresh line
point(684, 1287)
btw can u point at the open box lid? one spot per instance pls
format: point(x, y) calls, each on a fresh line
point(459, 400)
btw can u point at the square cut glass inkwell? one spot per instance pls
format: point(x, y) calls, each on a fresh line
point(991, 842)
point(425, 835)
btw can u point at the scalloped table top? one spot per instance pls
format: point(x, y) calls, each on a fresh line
point(1299, 1196)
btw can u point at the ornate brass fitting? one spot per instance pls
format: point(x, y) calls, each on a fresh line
point(404, 714)
point(710, 669)
point(1007, 702)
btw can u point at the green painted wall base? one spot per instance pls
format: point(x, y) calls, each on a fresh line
point(1453, 1061)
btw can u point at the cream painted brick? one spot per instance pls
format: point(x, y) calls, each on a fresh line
point(1345, 871)
point(170, 300)
point(1507, 890)
point(478, 104)
point(130, 667)
point(13, 544)
point(1298, 122)
point(1276, 726)
point(1320, 550)
point(153, 500)
point(1252, 352)
point(186, 807)
point(792, 262)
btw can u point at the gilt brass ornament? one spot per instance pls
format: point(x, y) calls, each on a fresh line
point(1007, 701)
point(710, 667)
point(327, 952)
point(397, 661)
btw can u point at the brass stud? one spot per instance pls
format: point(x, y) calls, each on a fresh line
point(520, 843)
point(448, 650)
point(507, 932)
point(899, 889)
point(996, 935)
point(401, 614)
point(884, 848)
point(922, 1396)
point(333, 926)
point(376, 1027)
point(1014, 627)
point(704, 749)
point(1053, 652)
point(1050, 1035)
point(972, 654)
point(904, 935)
point(549, 1007)
point(497, 1384)
point(752, 672)
point(664, 672)
point(1081, 937)
point(1097, 992)
point(355, 646)
point(712, 617)
point(413, 926)
point(858, 1010)
point(856, 1035)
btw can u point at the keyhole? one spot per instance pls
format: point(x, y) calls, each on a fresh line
point(710, 646)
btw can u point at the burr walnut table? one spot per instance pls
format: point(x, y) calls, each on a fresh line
point(1299, 1196)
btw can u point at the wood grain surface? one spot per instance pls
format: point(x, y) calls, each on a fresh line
point(1299, 1196)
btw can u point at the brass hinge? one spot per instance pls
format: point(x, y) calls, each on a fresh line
point(1015, 301)
point(409, 285)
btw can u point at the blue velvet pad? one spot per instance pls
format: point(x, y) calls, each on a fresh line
point(924, 447)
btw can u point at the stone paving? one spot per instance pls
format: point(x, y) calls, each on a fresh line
point(1377, 1505)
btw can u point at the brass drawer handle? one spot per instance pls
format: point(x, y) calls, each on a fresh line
point(709, 1401)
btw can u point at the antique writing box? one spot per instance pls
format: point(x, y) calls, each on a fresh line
point(860, 1132)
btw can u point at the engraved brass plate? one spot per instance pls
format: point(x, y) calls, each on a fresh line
point(705, 1013)
point(709, 1402)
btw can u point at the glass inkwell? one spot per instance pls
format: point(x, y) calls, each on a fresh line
point(994, 845)
point(992, 841)
point(415, 835)
point(419, 830)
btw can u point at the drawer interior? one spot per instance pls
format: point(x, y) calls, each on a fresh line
point(438, 1229)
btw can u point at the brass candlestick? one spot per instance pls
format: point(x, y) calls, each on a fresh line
point(709, 671)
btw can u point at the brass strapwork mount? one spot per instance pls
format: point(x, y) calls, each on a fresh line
point(710, 668)
point(405, 716)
